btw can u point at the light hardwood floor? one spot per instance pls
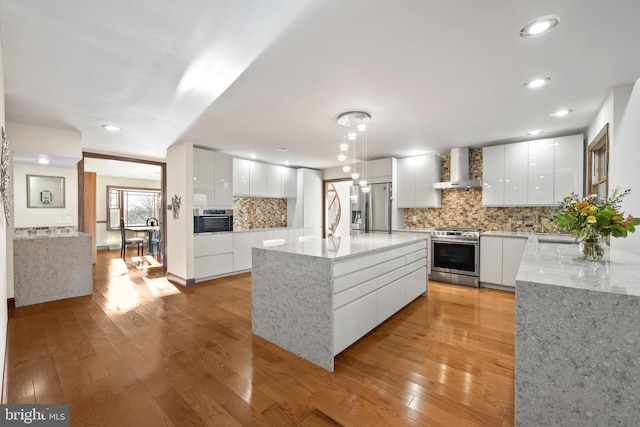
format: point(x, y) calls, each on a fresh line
point(142, 352)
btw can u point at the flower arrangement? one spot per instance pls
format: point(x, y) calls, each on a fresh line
point(592, 216)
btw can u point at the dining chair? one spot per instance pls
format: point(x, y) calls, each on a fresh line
point(152, 222)
point(154, 243)
point(128, 242)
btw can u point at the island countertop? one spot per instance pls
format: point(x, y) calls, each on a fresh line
point(347, 246)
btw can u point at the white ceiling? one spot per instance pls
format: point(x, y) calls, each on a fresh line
point(249, 76)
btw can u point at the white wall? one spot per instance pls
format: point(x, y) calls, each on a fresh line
point(6, 253)
point(44, 217)
point(63, 147)
point(621, 110)
point(112, 238)
point(180, 230)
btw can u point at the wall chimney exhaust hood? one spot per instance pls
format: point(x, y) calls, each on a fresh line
point(459, 172)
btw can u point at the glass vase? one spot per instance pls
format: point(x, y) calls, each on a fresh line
point(592, 248)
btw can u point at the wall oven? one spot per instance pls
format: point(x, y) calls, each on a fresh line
point(212, 220)
point(455, 256)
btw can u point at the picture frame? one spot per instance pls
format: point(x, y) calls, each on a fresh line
point(45, 192)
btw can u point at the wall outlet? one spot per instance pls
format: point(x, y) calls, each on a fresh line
point(413, 218)
point(58, 220)
point(283, 217)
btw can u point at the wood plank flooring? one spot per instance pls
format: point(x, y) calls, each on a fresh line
point(143, 352)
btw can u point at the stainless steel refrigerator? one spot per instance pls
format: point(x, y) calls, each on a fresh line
point(371, 211)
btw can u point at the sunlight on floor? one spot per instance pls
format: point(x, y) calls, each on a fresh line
point(122, 294)
point(160, 286)
point(118, 267)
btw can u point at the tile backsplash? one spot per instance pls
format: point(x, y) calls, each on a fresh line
point(463, 208)
point(259, 212)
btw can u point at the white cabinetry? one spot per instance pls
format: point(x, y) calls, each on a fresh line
point(213, 255)
point(369, 289)
point(493, 175)
point(541, 172)
point(241, 177)
point(500, 259)
point(416, 176)
point(515, 174)
point(289, 183)
point(568, 166)
point(308, 206)
point(203, 177)
point(274, 181)
point(533, 173)
point(212, 179)
point(257, 179)
point(223, 174)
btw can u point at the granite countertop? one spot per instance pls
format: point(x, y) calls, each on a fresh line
point(244, 230)
point(344, 247)
point(49, 235)
point(562, 265)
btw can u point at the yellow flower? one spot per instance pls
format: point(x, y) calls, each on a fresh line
point(591, 219)
point(592, 209)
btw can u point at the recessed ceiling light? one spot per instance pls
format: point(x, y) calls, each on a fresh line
point(111, 127)
point(536, 83)
point(540, 26)
point(253, 156)
point(561, 113)
point(535, 132)
point(283, 149)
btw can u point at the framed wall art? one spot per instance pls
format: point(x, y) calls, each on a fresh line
point(45, 191)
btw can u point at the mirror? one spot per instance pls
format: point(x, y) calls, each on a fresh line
point(45, 191)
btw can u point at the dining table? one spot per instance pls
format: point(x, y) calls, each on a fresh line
point(150, 230)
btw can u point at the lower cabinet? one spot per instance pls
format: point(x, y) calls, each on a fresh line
point(354, 319)
point(370, 289)
point(500, 259)
point(213, 255)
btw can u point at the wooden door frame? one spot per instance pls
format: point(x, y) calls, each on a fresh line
point(325, 186)
point(163, 191)
point(600, 141)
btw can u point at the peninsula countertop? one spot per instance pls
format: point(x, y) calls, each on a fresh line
point(577, 340)
point(346, 246)
point(561, 264)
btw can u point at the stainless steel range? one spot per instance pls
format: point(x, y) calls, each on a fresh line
point(455, 256)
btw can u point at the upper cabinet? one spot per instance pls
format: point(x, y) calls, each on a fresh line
point(255, 179)
point(241, 177)
point(416, 176)
point(568, 172)
point(289, 183)
point(212, 179)
point(258, 179)
point(533, 173)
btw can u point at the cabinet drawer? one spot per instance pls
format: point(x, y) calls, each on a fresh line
point(353, 321)
point(391, 298)
point(212, 265)
point(341, 268)
point(416, 265)
point(212, 244)
point(414, 256)
point(416, 284)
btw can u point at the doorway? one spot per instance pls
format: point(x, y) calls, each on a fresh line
point(108, 183)
point(337, 208)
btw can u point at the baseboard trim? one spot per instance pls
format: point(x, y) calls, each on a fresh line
point(11, 306)
point(179, 280)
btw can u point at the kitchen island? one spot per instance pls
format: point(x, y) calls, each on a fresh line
point(317, 297)
point(577, 337)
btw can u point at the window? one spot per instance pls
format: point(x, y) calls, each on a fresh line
point(135, 205)
point(599, 163)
